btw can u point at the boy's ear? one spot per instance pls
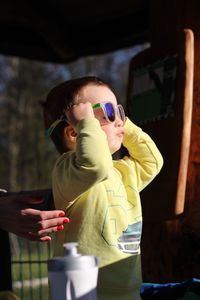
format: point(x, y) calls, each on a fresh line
point(70, 134)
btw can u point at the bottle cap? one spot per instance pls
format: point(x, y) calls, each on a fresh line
point(72, 260)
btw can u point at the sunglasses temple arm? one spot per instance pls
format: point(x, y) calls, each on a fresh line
point(49, 131)
point(97, 105)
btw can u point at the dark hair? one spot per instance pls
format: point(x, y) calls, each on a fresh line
point(58, 99)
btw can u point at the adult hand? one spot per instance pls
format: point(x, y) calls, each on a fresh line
point(29, 223)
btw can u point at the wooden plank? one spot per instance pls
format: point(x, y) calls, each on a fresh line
point(187, 120)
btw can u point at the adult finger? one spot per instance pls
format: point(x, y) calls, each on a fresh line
point(51, 214)
point(49, 226)
point(36, 214)
point(37, 221)
point(50, 229)
point(43, 234)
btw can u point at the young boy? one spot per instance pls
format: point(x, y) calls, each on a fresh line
point(99, 195)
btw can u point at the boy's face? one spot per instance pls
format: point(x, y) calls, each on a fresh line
point(102, 94)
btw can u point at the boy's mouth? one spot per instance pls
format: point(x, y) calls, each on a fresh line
point(120, 133)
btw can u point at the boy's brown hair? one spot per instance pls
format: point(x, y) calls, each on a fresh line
point(59, 98)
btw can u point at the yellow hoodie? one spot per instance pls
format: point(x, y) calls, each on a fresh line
point(101, 197)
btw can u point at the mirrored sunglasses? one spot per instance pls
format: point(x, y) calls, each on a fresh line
point(109, 110)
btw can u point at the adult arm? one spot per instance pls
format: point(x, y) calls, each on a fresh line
point(29, 223)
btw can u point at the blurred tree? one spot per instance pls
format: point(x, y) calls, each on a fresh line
point(28, 156)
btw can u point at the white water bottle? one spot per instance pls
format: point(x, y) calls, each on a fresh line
point(73, 276)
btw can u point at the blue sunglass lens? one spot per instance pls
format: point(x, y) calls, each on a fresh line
point(110, 111)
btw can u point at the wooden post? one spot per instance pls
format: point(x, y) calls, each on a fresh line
point(171, 232)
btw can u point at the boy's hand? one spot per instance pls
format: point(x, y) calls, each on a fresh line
point(78, 112)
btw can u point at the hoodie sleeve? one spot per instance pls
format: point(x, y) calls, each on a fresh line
point(76, 171)
point(145, 157)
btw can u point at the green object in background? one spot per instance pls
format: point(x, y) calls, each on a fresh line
point(146, 107)
point(152, 94)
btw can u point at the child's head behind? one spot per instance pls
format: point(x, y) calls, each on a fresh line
point(60, 97)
